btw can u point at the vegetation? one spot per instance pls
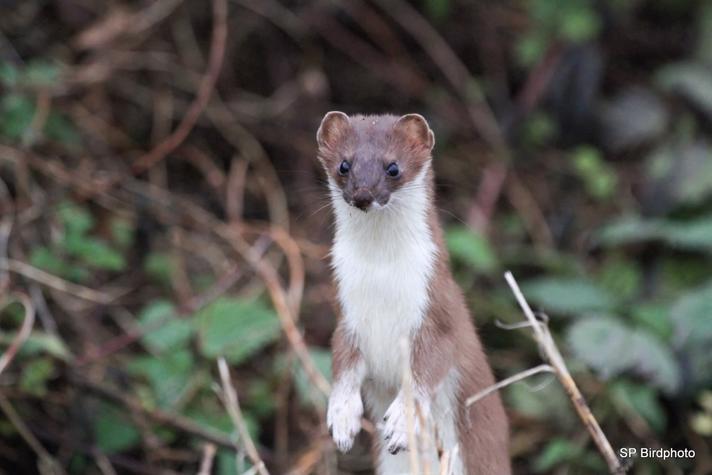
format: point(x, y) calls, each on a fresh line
point(161, 207)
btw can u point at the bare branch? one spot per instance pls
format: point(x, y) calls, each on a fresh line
point(506, 382)
point(24, 333)
point(55, 282)
point(233, 408)
point(207, 84)
point(44, 457)
point(553, 355)
point(206, 465)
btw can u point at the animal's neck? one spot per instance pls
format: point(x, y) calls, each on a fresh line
point(403, 226)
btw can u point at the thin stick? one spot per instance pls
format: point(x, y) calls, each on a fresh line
point(233, 408)
point(207, 84)
point(282, 305)
point(158, 416)
point(206, 465)
point(55, 282)
point(552, 354)
point(24, 333)
point(506, 382)
point(28, 436)
point(407, 388)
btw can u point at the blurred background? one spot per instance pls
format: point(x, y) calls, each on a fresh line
point(161, 206)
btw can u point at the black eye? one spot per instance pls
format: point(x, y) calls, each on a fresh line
point(392, 170)
point(344, 167)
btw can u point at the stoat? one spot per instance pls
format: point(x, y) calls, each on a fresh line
point(394, 284)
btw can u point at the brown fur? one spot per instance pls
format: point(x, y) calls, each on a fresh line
point(447, 339)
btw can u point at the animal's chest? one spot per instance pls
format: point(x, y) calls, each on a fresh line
point(384, 299)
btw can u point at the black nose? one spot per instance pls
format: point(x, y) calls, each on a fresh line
point(362, 199)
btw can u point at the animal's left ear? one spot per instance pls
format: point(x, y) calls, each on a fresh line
point(414, 128)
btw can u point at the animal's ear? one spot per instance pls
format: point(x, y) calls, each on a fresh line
point(333, 127)
point(414, 128)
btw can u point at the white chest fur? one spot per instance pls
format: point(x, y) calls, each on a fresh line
point(383, 262)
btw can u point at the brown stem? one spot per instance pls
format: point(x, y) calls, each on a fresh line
point(553, 355)
point(207, 84)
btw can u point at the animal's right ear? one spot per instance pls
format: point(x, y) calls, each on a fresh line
point(333, 127)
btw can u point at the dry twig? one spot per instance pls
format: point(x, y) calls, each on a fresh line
point(206, 465)
point(551, 353)
point(46, 463)
point(156, 415)
point(506, 382)
point(233, 408)
point(24, 333)
point(282, 302)
point(207, 84)
point(55, 282)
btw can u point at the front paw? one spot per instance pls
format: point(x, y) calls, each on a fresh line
point(395, 424)
point(395, 428)
point(343, 418)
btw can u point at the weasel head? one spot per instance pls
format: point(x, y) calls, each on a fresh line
point(367, 158)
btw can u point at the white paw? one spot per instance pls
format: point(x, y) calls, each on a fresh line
point(343, 417)
point(395, 427)
point(395, 424)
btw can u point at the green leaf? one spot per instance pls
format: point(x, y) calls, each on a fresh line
point(35, 375)
point(599, 179)
point(61, 129)
point(539, 129)
point(629, 229)
point(690, 80)
point(45, 259)
point(211, 414)
point(51, 260)
point(679, 173)
point(236, 328)
point(168, 374)
point(633, 117)
point(654, 317)
point(471, 248)
point(8, 74)
point(94, 252)
point(159, 266)
point(621, 278)
point(693, 234)
point(610, 348)
point(589, 336)
point(113, 432)
point(226, 462)
point(122, 231)
point(579, 23)
point(654, 361)
point(438, 10)
point(76, 219)
point(40, 73)
point(16, 114)
point(692, 317)
point(567, 295)
point(41, 342)
point(260, 398)
point(641, 399)
point(164, 330)
point(556, 452)
point(550, 403)
point(531, 48)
